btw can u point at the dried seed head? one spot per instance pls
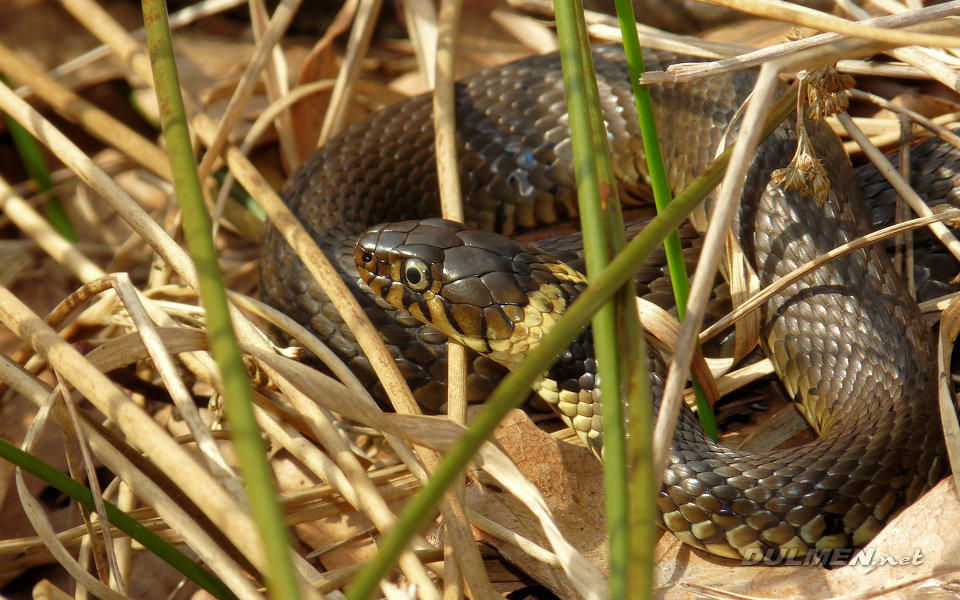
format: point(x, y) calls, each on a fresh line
point(805, 171)
point(826, 92)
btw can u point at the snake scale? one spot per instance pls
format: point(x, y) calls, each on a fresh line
point(848, 341)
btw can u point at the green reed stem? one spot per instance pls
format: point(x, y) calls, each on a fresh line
point(280, 576)
point(119, 519)
point(642, 482)
point(661, 187)
point(617, 338)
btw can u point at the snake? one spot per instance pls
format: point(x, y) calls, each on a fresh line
point(848, 340)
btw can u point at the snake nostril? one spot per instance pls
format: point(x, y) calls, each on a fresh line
point(367, 258)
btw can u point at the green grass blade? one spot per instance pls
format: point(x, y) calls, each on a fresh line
point(118, 519)
point(617, 338)
point(257, 476)
point(659, 185)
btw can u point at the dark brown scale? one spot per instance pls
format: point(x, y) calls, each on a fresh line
point(506, 289)
point(573, 373)
point(469, 290)
point(848, 331)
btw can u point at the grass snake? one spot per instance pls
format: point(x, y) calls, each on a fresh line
point(848, 341)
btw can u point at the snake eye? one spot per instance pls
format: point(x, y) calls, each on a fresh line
point(367, 258)
point(416, 274)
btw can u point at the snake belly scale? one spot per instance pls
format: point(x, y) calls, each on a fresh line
point(848, 341)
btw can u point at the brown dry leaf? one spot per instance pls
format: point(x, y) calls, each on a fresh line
point(929, 526)
point(150, 577)
point(346, 537)
point(570, 479)
point(210, 65)
point(209, 68)
point(349, 526)
point(320, 64)
point(677, 563)
point(922, 540)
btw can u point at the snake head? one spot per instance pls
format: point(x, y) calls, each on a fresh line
point(493, 294)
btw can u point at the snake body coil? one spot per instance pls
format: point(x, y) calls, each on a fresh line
point(848, 341)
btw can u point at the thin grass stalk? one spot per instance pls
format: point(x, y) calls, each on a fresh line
point(444, 126)
point(102, 548)
point(258, 478)
point(274, 31)
point(119, 519)
point(660, 187)
point(37, 169)
point(617, 339)
point(642, 478)
point(749, 135)
point(360, 35)
point(643, 481)
point(821, 21)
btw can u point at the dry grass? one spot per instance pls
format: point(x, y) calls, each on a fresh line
point(337, 456)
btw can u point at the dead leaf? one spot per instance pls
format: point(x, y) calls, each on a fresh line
point(570, 479)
